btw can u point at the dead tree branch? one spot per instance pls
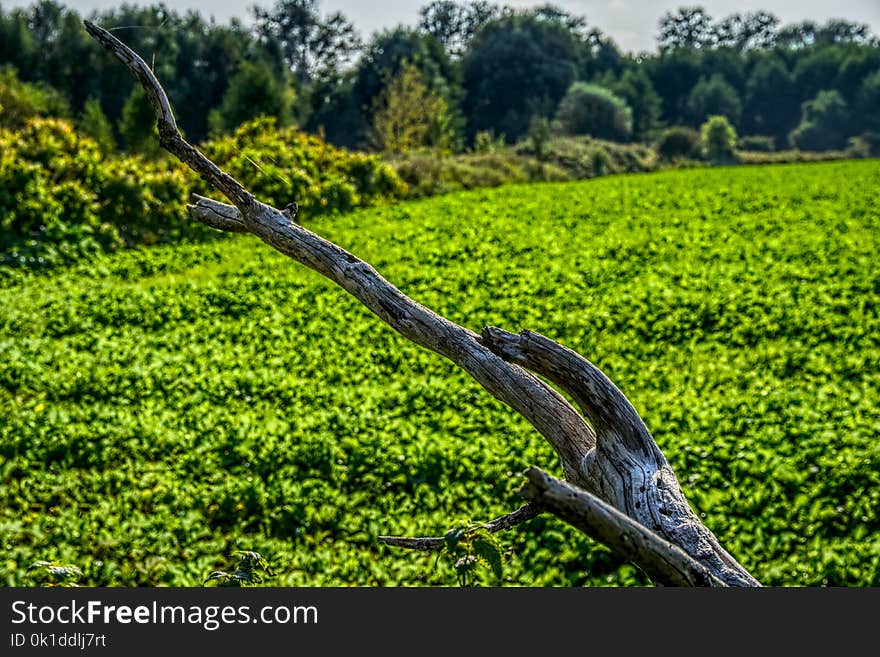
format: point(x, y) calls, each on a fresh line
point(428, 544)
point(665, 563)
point(627, 468)
point(621, 465)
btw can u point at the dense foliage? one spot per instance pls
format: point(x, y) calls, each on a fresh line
point(496, 69)
point(281, 165)
point(588, 109)
point(62, 199)
point(162, 408)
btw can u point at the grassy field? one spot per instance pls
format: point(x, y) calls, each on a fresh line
point(162, 408)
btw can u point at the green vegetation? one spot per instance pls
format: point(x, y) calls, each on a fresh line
point(410, 116)
point(718, 140)
point(162, 409)
point(496, 68)
point(538, 158)
point(62, 199)
point(588, 109)
point(20, 101)
point(678, 143)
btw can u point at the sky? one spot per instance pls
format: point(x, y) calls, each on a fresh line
point(631, 23)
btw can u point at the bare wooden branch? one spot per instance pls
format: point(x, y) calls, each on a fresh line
point(546, 409)
point(216, 215)
point(611, 413)
point(169, 134)
point(625, 468)
point(432, 543)
point(664, 562)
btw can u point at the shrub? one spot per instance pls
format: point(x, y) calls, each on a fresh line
point(858, 148)
point(280, 165)
point(539, 136)
point(677, 142)
point(485, 141)
point(408, 115)
point(20, 101)
point(93, 123)
point(61, 199)
point(588, 109)
point(872, 140)
point(718, 140)
point(600, 161)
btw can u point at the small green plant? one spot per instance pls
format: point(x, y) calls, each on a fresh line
point(252, 569)
point(600, 161)
point(718, 140)
point(539, 136)
point(487, 142)
point(51, 573)
point(470, 548)
point(677, 142)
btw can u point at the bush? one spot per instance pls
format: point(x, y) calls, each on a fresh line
point(791, 157)
point(718, 140)
point(564, 158)
point(757, 144)
point(485, 141)
point(280, 165)
point(677, 143)
point(428, 175)
point(61, 199)
point(408, 115)
point(20, 101)
point(588, 109)
point(600, 161)
point(858, 148)
point(539, 136)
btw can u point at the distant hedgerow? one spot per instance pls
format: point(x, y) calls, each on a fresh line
point(62, 199)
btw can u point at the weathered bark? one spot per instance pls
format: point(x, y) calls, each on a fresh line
point(618, 461)
point(626, 468)
point(664, 562)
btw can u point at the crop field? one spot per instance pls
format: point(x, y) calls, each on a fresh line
point(162, 408)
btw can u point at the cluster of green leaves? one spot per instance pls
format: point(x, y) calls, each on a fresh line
point(20, 101)
point(281, 165)
point(47, 573)
point(62, 199)
point(161, 407)
point(252, 569)
point(471, 548)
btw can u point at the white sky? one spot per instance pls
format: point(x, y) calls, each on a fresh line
point(631, 23)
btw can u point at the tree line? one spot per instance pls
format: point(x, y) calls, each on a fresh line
point(465, 71)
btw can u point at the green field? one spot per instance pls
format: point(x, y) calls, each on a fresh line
point(162, 408)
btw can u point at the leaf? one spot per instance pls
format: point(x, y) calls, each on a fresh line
point(487, 547)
